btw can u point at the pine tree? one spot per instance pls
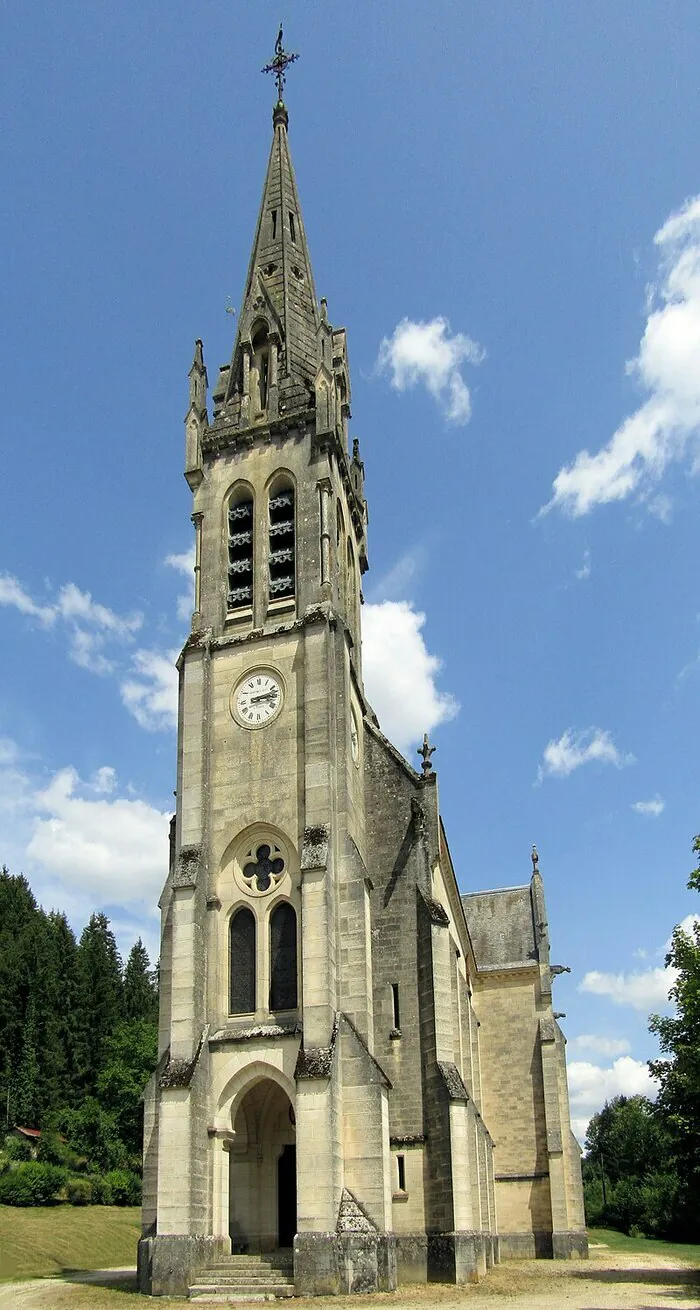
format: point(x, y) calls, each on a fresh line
point(140, 994)
point(18, 913)
point(100, 1001)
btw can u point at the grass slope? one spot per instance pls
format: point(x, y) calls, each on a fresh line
point(45, 1240)
point(650, 1246)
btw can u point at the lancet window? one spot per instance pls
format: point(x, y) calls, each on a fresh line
point(242, 963)
point(282, 553)
point(240, 550)
point(283, 957)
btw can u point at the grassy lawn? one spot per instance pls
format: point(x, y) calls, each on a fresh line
point(43, 1240)
point(644, 1245)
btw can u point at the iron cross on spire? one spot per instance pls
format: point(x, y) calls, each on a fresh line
point(279, 65)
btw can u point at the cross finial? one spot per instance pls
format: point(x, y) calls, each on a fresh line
point(426, 750)
point(279, 65)
point(535, 860)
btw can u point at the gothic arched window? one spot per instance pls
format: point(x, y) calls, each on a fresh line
point(283, 957)
point(282, 541)
point(240, 549)
point(242, 963)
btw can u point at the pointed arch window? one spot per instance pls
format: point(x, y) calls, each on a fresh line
point(240, 549)
point(283, 957)
point(242, 963)
point(282, 552)
point(352, 583)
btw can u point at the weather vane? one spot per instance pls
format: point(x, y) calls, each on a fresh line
point(279, 65)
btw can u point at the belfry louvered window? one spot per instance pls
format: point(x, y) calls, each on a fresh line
point(240, 550)
point(242, 963)
point(282, 544)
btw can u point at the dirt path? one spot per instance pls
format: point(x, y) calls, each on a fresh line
point(605, 1282)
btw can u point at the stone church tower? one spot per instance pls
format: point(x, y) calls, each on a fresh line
point(358, 1066)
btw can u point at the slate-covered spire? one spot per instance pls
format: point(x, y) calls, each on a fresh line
point(275, 357)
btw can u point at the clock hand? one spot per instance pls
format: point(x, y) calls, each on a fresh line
point(266, 695)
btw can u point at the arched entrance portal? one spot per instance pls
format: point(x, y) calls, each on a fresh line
point(262, 1175)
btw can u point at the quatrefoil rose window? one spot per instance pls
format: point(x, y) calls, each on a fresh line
point(263, 867)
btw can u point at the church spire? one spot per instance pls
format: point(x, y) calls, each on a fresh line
point(275, 357)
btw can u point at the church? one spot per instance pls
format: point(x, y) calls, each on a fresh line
point(361, 1079)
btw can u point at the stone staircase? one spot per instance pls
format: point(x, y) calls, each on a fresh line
point(245, 1278)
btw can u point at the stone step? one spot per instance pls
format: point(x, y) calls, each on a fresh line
point(224, 1292)
point(239, 1280)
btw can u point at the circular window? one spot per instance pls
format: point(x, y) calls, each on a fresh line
point(261, 867)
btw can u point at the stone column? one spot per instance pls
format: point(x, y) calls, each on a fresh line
point(325, 498)
point(221, 1141)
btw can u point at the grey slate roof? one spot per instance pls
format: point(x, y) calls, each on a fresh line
point(501, 926)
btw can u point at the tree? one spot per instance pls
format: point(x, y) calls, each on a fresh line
point(678, 1074)
point(140, 992)
point(130, 1058)
point(100, 1001)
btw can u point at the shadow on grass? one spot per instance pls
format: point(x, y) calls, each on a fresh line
point(114, 1280)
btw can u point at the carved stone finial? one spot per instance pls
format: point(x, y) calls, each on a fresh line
point(426, 750)
point(535, 860)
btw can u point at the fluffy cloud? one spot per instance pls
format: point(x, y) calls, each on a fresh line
point(184, 564)
point(89, 626)
point(654, 807)
point(573, 749)
point(591, 1085)
point(151, 695)
point(113, 850)
point(400, 673)
point(646, 990)
point(428, 354)
point(609, 1046)
point(666, 426)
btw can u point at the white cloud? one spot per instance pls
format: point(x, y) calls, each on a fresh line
point(609, 1046)
point(395, 584)
point(13, 593)
point(573, 749)
point(151, 695)
point(184, 564)
point(400, 673)
point(112, 851)
point(654, 807)
point(104, 781)
point(428, 353)
point(89, 625)
point(585, 569)
point(666, 426)
point(591, 1085)
point(646, 990)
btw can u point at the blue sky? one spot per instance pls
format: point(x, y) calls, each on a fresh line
point(499, 204)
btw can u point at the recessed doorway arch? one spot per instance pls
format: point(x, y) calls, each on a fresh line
point(262, 1169)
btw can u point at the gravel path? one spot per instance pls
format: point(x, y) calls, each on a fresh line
point(605, 1282)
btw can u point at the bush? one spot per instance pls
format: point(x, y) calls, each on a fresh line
point(17, 1148)
point(53, 1149)
point(125, 1187)
point(101, 1190)
point(31, 1184)
point(79, 1191)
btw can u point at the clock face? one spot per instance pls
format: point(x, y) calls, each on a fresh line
point(257, 699)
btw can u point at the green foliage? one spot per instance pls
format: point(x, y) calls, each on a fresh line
point(125, 1187)
point(79, 1191)
point(101, 1190)
point(32, 1183)
point(17, 1148)
point(129, 1060)
point(100, 1000)
point(91, 1131)
point(140, 989)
